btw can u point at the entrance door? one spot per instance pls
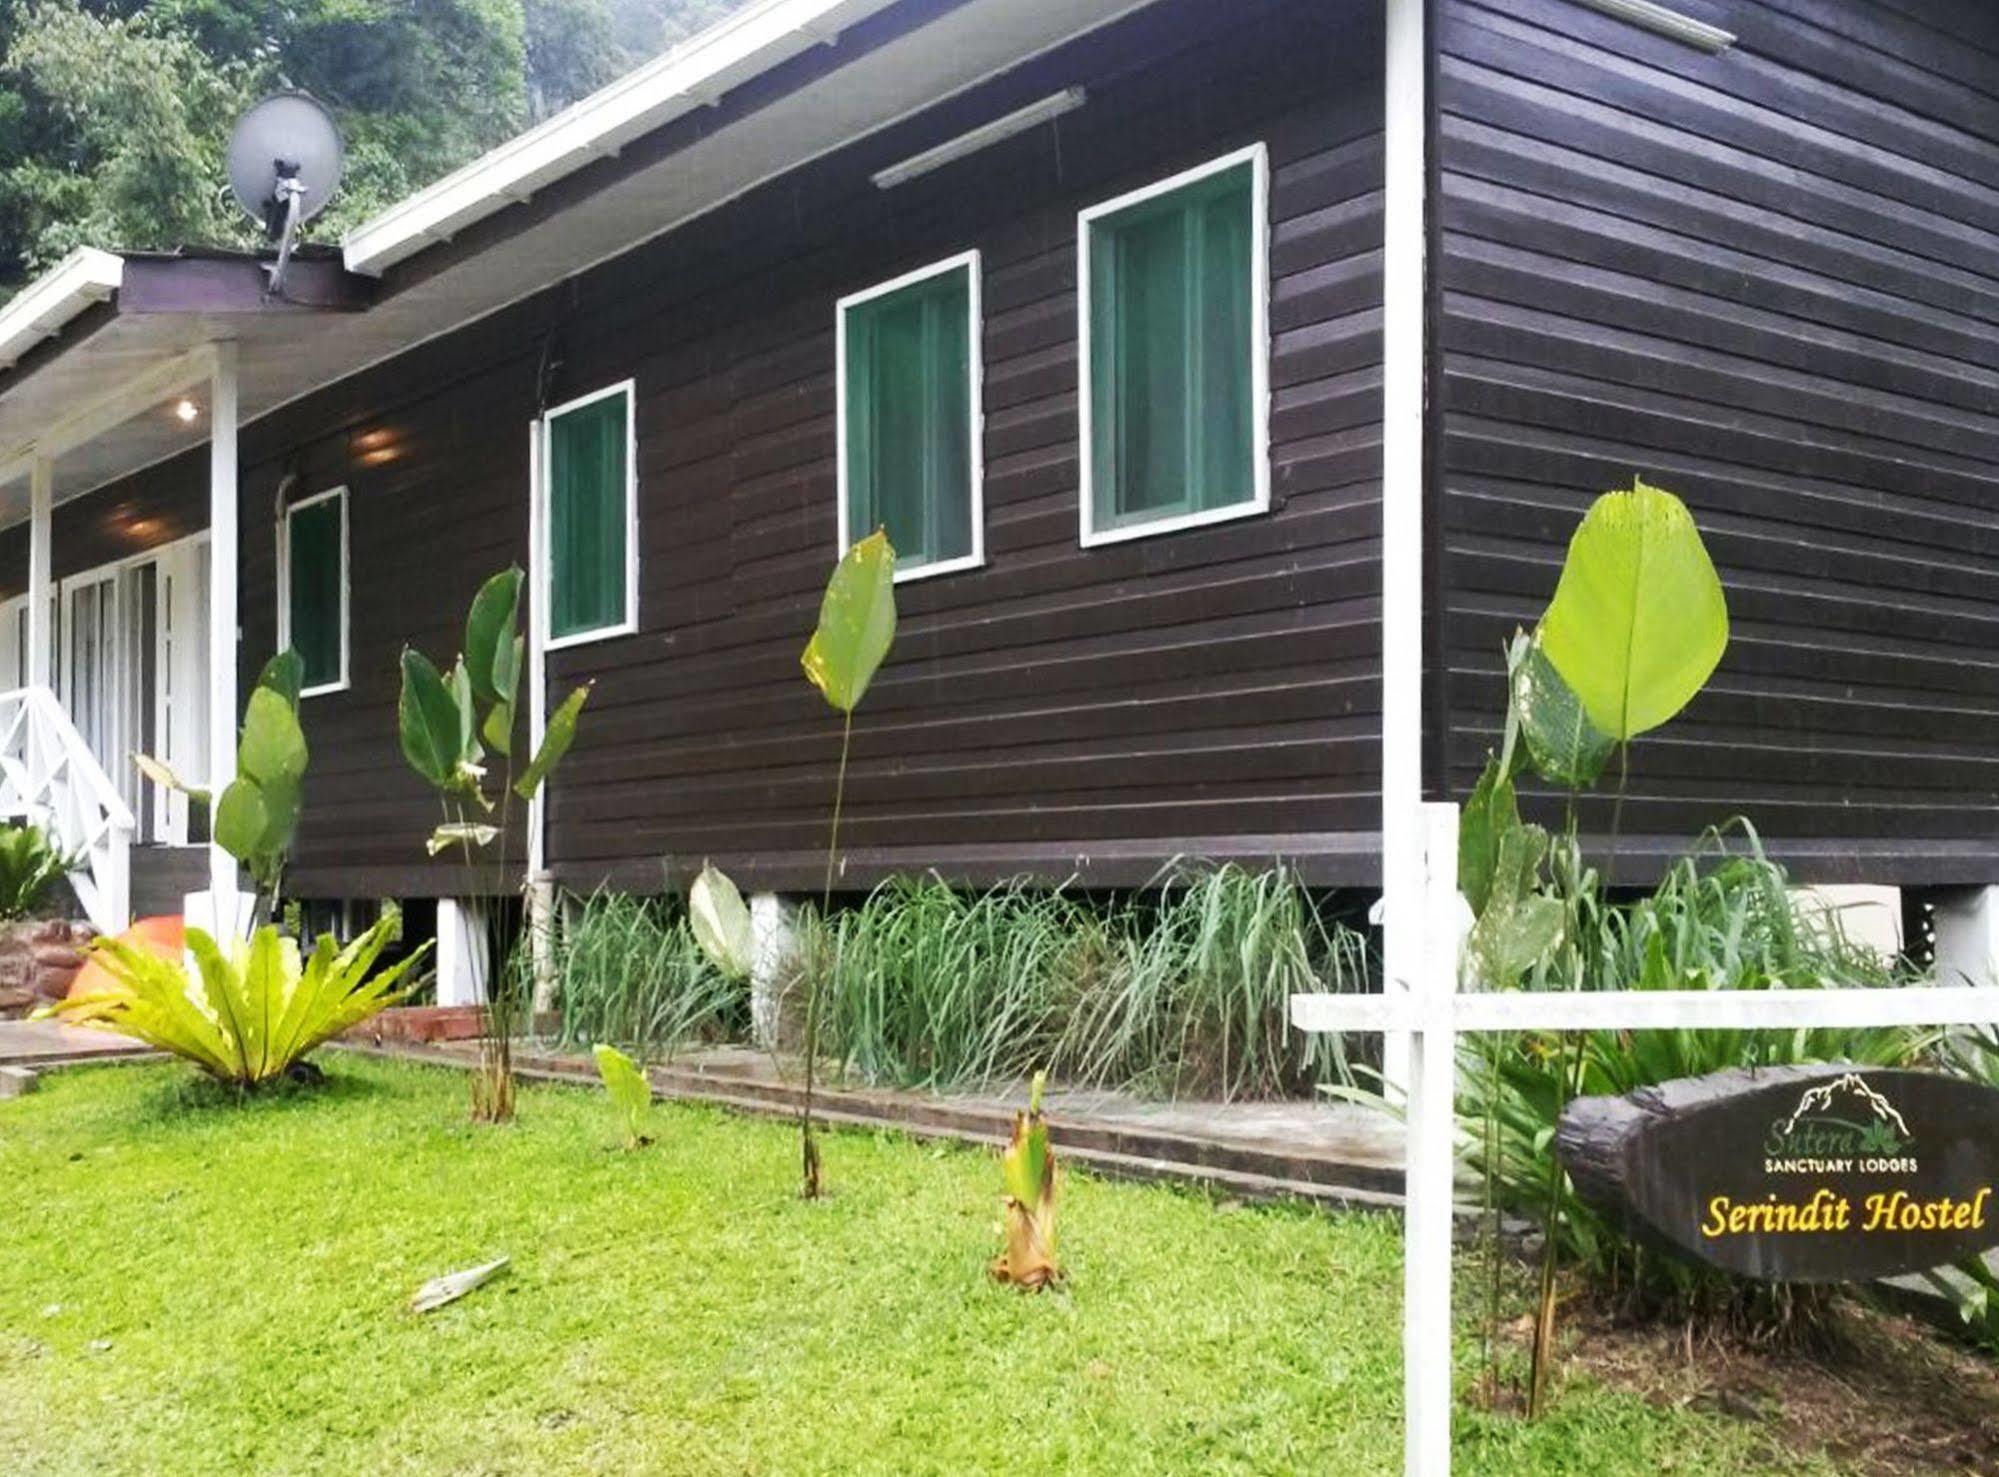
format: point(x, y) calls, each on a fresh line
point(130, 675)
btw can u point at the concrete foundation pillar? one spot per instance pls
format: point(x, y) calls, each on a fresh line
point(1867, 915)
point(464, 956)
point(1967, 937)
point(771, 918)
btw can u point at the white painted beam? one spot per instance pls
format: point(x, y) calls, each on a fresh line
point(40, 309)
point(1402, 346)
point(1651, 1010)
point(223, 541)
point(41, 504)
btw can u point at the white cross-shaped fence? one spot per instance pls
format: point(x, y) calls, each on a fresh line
point(1431, 1013)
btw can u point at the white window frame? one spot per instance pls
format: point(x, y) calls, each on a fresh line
point(969, 262)
point(346, 584)
point(544, 572)
point(1257, 156)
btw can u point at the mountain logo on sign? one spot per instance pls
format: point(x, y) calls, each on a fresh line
point(1838, 1122)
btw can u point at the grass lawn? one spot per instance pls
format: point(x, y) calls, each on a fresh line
point(189, 1285)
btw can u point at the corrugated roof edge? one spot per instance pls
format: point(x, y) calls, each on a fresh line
point(693, 74)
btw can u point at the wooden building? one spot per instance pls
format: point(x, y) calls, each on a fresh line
point(1095, 304)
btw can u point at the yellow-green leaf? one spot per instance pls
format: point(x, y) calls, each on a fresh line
point(856, 623)
point(630, 1092)
point(555, 742)
point(1639, 620)
point(721, 923)
point(162, 774)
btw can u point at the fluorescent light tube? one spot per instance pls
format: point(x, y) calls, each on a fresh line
point(1654, 17)
point(982, 137)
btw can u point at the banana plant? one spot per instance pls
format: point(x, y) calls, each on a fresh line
point(855, 631)
point(256, 817)
point(630, 1092)
point(1637, 625)
point(452, 725)
point(1027, 1209)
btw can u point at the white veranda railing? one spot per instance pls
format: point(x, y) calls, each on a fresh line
point(49, 777)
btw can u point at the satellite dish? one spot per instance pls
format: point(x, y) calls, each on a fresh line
point(284, 167)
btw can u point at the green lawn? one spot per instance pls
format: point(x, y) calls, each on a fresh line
point(188, 1285)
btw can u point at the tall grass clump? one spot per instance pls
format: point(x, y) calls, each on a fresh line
point(628, 970)
point(1195, 996)
point(939, 988)
point(1182, 992)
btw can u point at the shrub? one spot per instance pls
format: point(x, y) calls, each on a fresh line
point(251, 1011)
point(30, 867)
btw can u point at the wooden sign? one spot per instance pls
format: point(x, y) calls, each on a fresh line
point(1797, 1174)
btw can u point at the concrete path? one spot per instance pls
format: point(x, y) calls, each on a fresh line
point(1331, 1152)
point(52, 1044)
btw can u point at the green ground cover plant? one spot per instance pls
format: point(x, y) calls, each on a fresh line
point(627, 969)
point(30, 867)
point(1182, 991)
point(265, 1253)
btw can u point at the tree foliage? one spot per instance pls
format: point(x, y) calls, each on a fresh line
point(114, 115)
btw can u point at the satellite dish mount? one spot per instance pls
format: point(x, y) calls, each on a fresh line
point(285, 160)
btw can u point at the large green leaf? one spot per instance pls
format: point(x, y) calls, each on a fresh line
point(1519, 925)
point(1562, 744)
point(1639, 620)
point(721, 923)
point(272, 748)
point(630, 1092)
point(555, 742)
point(241, 820)
point(1490, 813)
point(856, 623)
point(489, 637)
point(428, 721)
point(284, 674)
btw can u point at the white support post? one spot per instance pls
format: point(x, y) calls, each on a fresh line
point(537, 673)
point(772, 941)
point(41, 506)
point(1967, 938)
point(462, 956)
point(1404, 239)
point(222, 633)
point(1429, 1165)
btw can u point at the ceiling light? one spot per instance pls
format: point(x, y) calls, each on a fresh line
point(186, 410)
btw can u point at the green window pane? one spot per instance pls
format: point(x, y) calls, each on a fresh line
point(909, 418)
point(314, 577)
point(586, 518)
point(1172, 330)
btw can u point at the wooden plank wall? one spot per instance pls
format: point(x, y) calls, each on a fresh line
point(1212, 692)
point(1769, 281)
point(154, 507)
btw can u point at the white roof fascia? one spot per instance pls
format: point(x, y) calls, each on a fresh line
point(694, 74)
point(40, 309)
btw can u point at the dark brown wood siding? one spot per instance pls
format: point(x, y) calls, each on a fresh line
point(150, 508)
point(1209, 692)
point(1768, 280)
